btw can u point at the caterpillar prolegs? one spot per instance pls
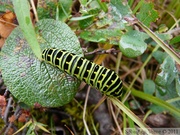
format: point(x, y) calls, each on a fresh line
point(106, 80)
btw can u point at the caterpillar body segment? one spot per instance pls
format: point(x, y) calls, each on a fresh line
point(104, 79)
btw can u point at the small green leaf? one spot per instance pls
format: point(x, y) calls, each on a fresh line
point(49, 11)
point(111, 36)
point(64, 9)
point(162, 28)
point(86, 22)
point(102, 5)
point(162, 90)
point(120, 7)
point(147, 14)
point(167, 82)
point(157, 109)
point(88, 18)
point(132, 43)
point(119, 10)
point(170, 93)
point(167, 74)
point(104, 21)
point(22, 11)
point(149, 86)
point(159, 56)
point(175, 40)
point(83, 2)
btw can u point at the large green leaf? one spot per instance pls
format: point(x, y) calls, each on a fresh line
point(32, 81)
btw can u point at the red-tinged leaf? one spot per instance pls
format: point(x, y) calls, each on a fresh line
point(22, 117)
point(12, 118)
point(2, 101)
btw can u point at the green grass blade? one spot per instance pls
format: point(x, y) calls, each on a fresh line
point(22, 11)
point(130, 114)
point(156, 101)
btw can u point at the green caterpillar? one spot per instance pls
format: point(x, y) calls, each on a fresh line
point(106, 80)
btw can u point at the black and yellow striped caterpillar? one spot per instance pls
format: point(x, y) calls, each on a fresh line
point(106, 80)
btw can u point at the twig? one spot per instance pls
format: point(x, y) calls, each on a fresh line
point(176, 30)
point(84, 111)
point(7, 110)
point(6, 92)
point(16, 114)
point(119, 56)
point(115, 119)
point(8, 23)
point(34, 10)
